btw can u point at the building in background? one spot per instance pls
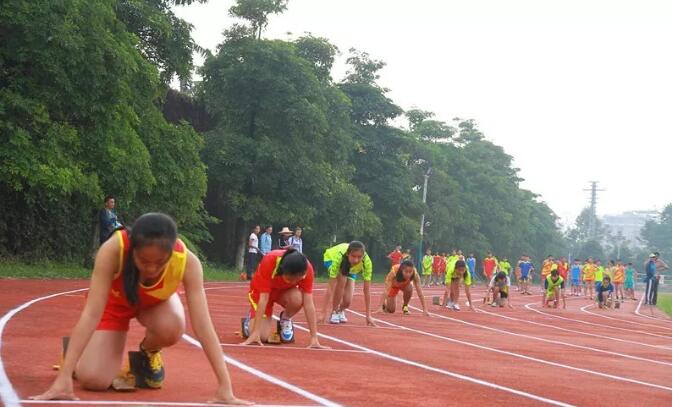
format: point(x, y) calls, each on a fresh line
point(629, 224)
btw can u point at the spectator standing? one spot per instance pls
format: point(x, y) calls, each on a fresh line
point(253, 251)
point(284, 235)
point(107, 219)
point(296, 240)
point(396, 256)
point(265, 240)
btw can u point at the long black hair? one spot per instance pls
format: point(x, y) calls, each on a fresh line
point(399, 274)
point(151, 229)
point(344, 267)
point(293, 263)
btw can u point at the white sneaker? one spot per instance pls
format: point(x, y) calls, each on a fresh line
point(342, 317)
point(456, 307)
point(286, 328)
point(493, 304)
point(334, 318)
point(450, 305)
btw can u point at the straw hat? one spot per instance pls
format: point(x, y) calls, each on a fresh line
point(285, 231)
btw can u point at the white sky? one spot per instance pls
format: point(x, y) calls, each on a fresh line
point(574, 90)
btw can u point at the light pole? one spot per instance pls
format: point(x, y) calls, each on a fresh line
point(423, 220)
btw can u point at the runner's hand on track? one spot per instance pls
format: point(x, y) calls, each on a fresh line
point(62, 389)
point(253, 338)
point(316, 345)
point(369, 321)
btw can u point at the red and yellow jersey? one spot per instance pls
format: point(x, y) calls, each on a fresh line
point(167, 285)
point(563, 268)
point(267, 278)
point(619, 275)
point(395, 285)
point(588, 272)
point(546, 269)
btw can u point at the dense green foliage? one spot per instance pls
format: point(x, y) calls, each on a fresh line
point(82, 87)
point(79, 120)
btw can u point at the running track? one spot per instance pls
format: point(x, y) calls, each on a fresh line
point(521, 356)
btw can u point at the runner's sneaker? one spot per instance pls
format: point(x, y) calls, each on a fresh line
point(342, 317)
point(245, 327)
point(450, 305)
point(456, 307)
point(493, 304)
point(285, 329)
point(406, 309)
point(151, 368)
point(334, 318)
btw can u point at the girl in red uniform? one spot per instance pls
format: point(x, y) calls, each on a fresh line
point(284, 277)
point(400, 278)
point(136, 275)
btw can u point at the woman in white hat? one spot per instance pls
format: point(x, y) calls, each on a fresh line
point(284, 235)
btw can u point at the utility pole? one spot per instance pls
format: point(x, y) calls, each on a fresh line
point(423, 220)
point(593, 207)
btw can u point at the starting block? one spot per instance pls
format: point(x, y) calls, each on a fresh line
point(64, 347)
point(274, 339)
point(436, 300)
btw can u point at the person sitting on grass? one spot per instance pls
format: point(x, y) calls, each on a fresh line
point(284, 277)
point(459, 275)
point(500, 287)
point(554, 290)
point(604, 293)
point(401, 278)
point(137, 274)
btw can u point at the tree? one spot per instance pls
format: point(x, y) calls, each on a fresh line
point(257, 12)
point(79, 120)
point(279, 149)
point(658, 234)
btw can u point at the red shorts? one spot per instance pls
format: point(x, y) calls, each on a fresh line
point(393, 291)
point(116, 317)
point(254, 299)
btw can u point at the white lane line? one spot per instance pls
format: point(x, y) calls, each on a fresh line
point(585, 310)
point(268, 377)
point(7, 394)
point(278, 347)
point(11, 399)
point(528, 306)
point(548, 340)
point(641, 302)
point(530, 358)
point(437, 370)
point(559, 328)
point(139, 403)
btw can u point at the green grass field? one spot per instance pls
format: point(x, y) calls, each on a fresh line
point(53, 270)
point(665, 302)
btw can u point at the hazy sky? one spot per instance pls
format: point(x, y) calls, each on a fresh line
point(574, 90)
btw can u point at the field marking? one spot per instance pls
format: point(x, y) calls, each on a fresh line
point(7, 393)
point(528, 306)
point(584, 309)
point(559, 328)
point(547, 340)
point(265, 376)
point(11, 399)
point(140, 403)
point(441, 371)
point(530, 358)
point(641, 302)
point(279, 347)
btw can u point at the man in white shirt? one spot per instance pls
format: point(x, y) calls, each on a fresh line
point(253, 250)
